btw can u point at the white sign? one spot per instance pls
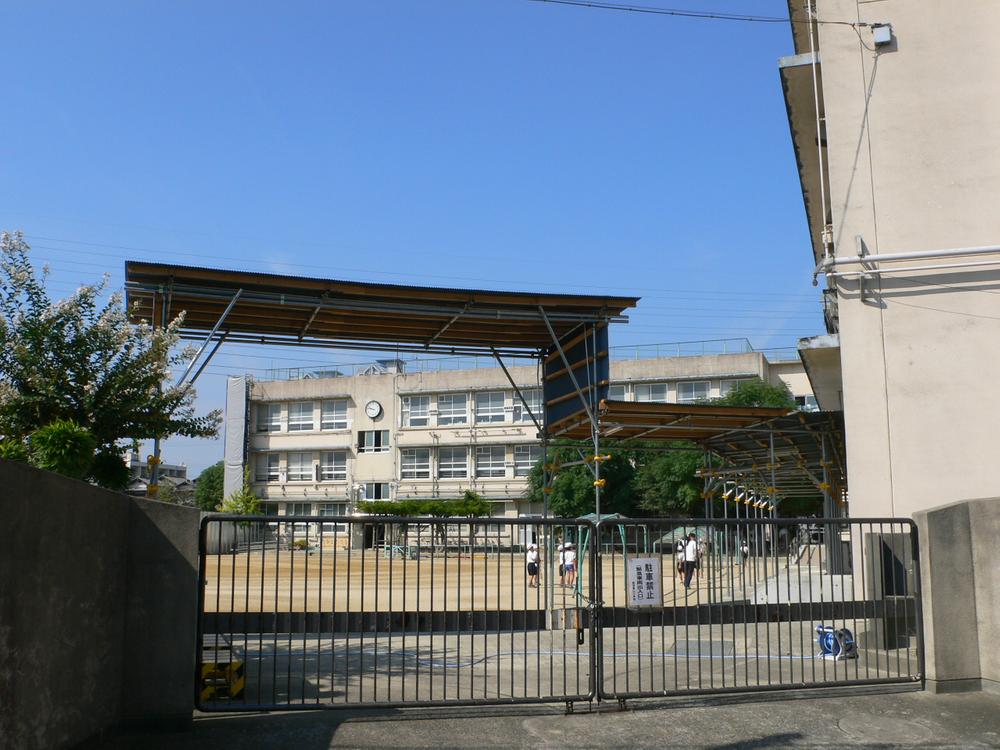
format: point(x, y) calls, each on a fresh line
point(645, 582)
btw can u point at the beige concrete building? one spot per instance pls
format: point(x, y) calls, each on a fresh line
point(894, 123)
point(317, 445)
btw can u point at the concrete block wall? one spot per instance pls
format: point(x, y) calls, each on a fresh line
point(960, 580)
point(98, 600)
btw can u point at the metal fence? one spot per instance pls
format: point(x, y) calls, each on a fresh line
point(756, 605)
point(323, 612)
point(328, 612)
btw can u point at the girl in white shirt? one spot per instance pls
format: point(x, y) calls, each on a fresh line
point(532, 558)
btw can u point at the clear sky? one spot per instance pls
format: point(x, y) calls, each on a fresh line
point(486, 143)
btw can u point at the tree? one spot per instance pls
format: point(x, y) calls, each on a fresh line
point(242, 502)
point(208, 487)
point(755, 392)
point(665, 482)
point(573, 487)
point(80, 360)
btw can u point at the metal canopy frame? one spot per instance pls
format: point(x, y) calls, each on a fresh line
point(755, 456)
point(303, 311)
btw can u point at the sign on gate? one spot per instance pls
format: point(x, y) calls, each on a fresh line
point(645, 582)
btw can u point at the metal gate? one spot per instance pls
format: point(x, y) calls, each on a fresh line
point(325, 612)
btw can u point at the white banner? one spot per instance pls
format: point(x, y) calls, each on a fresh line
point(645, 582)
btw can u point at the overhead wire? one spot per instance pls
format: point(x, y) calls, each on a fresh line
point(687, 13)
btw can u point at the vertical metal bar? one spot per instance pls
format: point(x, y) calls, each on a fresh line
point(798, 580)
point(917, 596)
point(390, 612)
point(334, 588)
point(375, 623)
point(274, 646)
point(347, 610)
point(497, 665)
point(260, 635)
point(291, 612)
point(246, 623)
point(232, 598)
point(305, 613)
point(218, 597)
point(362, 617)
point(430, 615)
point(200, 624)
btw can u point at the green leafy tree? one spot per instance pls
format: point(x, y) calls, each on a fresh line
point(573, 487)
point(756, 392)
point(665, 482)
point(63, 447)
point(208, 488)
point(80, 360)
point(242, 502)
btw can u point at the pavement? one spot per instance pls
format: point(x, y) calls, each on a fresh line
point(832, 718)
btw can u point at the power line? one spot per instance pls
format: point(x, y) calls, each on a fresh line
point(685, 13)
point(244, 260)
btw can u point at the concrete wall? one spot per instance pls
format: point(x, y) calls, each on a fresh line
point(913, 165)
point(960, 577)
point(98, 600)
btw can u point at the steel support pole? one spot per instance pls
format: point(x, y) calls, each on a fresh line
point(211, 334)
point(154, 470)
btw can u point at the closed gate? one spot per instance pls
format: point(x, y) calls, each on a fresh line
point(324, 612)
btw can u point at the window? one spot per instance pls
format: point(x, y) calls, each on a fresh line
point(416, 411)
point(267, 467)
point(373, 441)
point(300, 416)
point(333, 466)
point(489, 407)
point(616, 393)
point(525, 458)
point(453, 463)
point(298, 509)
point(269, 509)
point(334, 415)
point(534, 399)
point(807, 403)
point(415, 463)
point(269, 418)
point(376, 491)
point(728, 386)
point(651, 392)
point(489, 460)
point(695, 390)
point(452, 409)
point(300, 467)
point(333, 509)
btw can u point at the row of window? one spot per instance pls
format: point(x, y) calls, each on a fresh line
point(458, 462)
point(687, 391)
point(487, 407)
point(447, 409)
point(303, 416)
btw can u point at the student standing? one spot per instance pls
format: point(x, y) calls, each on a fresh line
point(569, 563)
point(532, 558)
point(690, 559)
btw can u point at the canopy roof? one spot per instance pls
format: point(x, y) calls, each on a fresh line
point(632, 420)
point(295, 310)
point(804, 443)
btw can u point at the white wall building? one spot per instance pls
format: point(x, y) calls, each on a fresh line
point(316, 446)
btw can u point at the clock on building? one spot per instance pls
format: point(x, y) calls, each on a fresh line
point(373, 409)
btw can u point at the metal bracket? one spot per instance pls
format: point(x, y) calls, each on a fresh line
point(209, 337)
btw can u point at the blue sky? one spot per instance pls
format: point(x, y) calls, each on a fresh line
point(486, 143)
